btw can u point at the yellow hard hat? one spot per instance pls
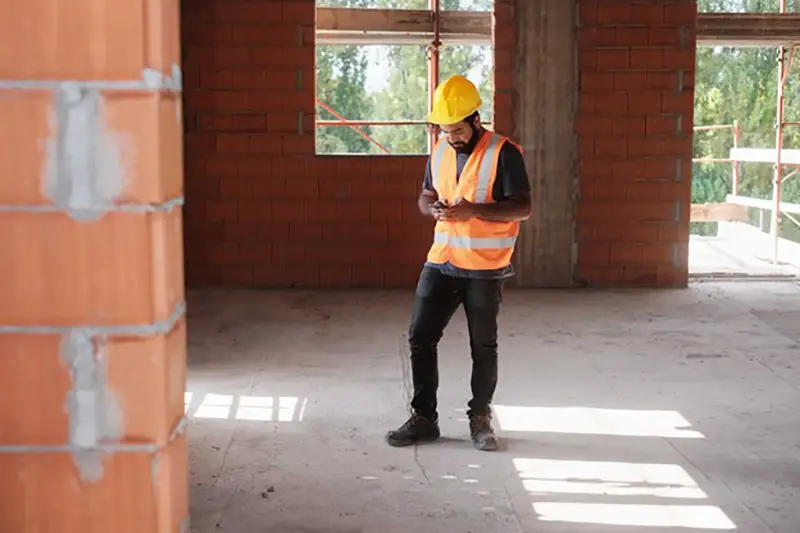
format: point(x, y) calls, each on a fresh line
point(455, 99)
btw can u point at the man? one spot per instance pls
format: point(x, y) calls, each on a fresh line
point(476, 188)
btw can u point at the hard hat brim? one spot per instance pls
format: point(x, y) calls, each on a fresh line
point(443, 120)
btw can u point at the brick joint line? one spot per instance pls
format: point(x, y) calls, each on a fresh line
point(179, 429)
point(71, 448)
point(143, 330)
point(152, 80)
point(162, 207)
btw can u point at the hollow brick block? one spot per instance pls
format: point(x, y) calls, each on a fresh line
point(125, 268)
point(145, 376)
point(137, 493)
point(142, 127)
point(88, 40)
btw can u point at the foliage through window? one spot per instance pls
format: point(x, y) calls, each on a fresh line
point(376, 83)
point(746, 6)
point(447, 5)
point(740, 85)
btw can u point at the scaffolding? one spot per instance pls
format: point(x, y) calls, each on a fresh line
point(433, 65)
point(784, 68)
point(433, 26)
point(779, 157)
point(433, 49)
point(736, 129)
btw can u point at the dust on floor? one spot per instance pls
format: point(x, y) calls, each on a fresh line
point(619, 411)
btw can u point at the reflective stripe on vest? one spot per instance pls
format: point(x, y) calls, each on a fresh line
point(484, 170)
point(436, 162)
point(474, 243)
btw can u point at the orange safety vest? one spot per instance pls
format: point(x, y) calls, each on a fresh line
point(472, 244)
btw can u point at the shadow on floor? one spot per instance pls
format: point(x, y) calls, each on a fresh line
point(614, 415)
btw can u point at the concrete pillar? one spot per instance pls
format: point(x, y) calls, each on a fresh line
point(92, 338)
point(546, 94)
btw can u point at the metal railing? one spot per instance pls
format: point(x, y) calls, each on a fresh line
point(775, 205)
point(736, 129)
point(353, 124)
point(785, 58)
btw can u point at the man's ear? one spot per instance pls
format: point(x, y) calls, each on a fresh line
point(477, 121)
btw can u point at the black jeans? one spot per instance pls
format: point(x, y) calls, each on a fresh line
point(436, 300)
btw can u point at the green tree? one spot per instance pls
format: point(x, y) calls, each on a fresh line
point(344, 72)
point(341, 77)
point(406, 96)
point(745, 6)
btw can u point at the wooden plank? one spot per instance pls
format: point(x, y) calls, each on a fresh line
point(747, 29)
point(765, 155)
point(714, 212)
point(379, 26)
point(396, 38)
point(762, 204)
point(401, 24)
point(377, 20)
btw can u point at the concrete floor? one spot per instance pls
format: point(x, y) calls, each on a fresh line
point(730, 257)
point(622, 411)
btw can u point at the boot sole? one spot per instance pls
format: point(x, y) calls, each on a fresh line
point(403, 443)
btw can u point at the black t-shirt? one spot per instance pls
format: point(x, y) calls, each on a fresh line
point(512, 179)
point(512, 176)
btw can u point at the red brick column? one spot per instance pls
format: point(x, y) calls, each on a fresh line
point(504, 37)
point(637, 62)
point(92, 340)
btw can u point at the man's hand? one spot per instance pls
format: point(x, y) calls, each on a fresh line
point(460, 210)
point(438, 208)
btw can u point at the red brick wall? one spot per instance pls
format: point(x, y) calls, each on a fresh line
point(637, 62)
point(505, 48)
point(263, 210)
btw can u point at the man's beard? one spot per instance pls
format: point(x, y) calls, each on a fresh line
point(468, 147)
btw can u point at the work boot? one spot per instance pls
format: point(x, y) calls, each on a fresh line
point(483, 438)
point(416, 429)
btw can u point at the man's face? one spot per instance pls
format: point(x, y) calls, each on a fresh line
point(460, 135)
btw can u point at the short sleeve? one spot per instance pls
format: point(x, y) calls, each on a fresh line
point(512, 176)
point(427, 182)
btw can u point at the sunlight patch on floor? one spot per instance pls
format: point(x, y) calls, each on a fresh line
point(549, 476)
point(592, 421)
point(247, 408)
point(657, 516)
point(629, 484)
